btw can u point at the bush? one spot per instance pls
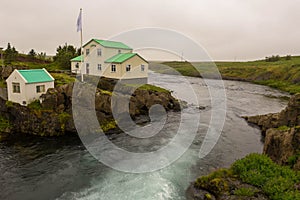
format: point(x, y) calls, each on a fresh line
point(107, 125)
point(273, 58)
point(4, 123)
point(276, 181)
point(9, 104)
point(35, 105)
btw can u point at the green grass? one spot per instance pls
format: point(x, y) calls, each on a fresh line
point(278, 182)
point(275, 181)
point(283, 128)
point(149, 87)
point(283, 74)
point(61, 79)
point(247, 192)
point(153, 88)
point(106, 92)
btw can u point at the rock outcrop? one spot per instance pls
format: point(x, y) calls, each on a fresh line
point(54, 117)
point(282, 133)
point(223, 184)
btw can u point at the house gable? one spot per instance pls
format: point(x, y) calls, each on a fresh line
point(16, 76)
point(77, 59)
point(35, 76)
point(109, 44)
point(122, 57)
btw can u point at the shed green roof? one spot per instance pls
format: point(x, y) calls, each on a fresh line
point(77, 59)
point(111, 44)
point(120, 58)
point(36, 75)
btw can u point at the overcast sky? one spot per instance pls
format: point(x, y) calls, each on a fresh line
point(227, 29)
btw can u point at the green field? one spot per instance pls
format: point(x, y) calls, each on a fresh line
point(283, 74)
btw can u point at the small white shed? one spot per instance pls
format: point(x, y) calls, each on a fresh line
point(25, 86)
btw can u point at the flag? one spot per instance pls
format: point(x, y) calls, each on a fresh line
point(79, 22)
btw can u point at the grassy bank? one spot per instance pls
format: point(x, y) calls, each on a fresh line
point(283, 74)
point(272, 180)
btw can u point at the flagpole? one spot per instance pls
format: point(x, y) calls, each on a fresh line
point(81, 50)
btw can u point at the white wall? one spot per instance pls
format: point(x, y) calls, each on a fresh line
point(27, 91)
point(93, 59)
point(74, 69)
point(135, 71)
point(32, 95)
point(15, 77)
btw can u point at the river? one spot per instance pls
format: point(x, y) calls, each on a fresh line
point(61, 168)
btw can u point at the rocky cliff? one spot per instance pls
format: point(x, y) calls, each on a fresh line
point(255, 177)
point(53, 116)
point(282, 133)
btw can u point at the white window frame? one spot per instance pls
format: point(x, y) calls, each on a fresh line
point(40, 88)
point(113, 68)
point(16, 87)
point(99, 52)
point(87, 68)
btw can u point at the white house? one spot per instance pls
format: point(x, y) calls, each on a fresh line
point(110, 59)
point(25, 86)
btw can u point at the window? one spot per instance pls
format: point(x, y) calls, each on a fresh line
point(87, 51)
point(119, 51)
point(99, 53)
point(113, 68)
point(87, 68)
point(77, 65)
point(142, 68)
point(99, 67)
point(40, 88)
point(16, 87)
point(128, 67)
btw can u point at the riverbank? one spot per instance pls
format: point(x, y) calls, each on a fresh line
point(53, 116)
point(283, 74)
point(62, 168)
point(254, 177)
point(273, 175)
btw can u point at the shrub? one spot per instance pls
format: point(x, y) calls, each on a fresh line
point(35, 105)
point(273, 58)
point(276, 181)
point(9, 104)
point(4, 123)
point(63, 118)
point(107, 125)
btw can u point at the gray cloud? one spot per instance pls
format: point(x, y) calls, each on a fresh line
point(248, 29)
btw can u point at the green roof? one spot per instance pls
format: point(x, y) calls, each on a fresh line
point(78, 59)
point(111, 44)
point(36, 75)
point(120, 58)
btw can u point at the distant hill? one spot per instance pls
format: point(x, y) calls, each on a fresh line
point(283, 74)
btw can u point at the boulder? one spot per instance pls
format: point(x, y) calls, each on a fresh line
point(282, 133)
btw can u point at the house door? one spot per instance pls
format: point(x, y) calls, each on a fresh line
point(87, 68)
